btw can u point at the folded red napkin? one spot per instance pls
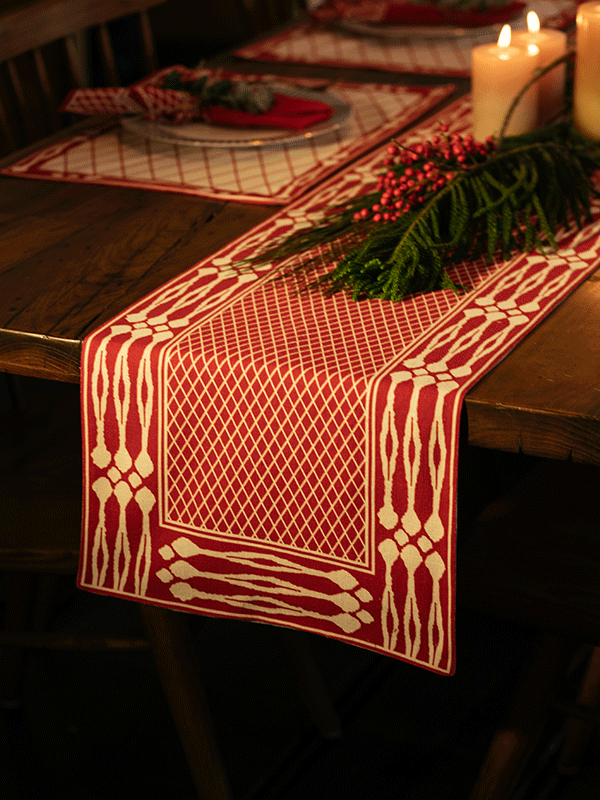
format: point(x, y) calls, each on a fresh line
point(404, 13)
point(294, 113)
point(150, 100)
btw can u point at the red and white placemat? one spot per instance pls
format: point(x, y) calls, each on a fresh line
point(256, 453)
point(315, 44)
point(330, 46)
point(115, 156)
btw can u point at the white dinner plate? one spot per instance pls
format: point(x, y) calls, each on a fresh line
point(203, 134)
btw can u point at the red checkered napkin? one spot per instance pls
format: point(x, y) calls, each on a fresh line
point(146, 99)
point(175, 106)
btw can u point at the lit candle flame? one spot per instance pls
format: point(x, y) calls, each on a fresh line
point(504, 38)
point(533, 22)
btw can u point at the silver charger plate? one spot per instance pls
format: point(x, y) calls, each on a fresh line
point(202, 134)
point(545, 9)
point(399, 32)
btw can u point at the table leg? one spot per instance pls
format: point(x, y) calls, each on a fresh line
point(172, 647)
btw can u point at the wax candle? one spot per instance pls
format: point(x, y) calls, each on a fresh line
point(549, 45)
point(498, 73)
point(586, 89)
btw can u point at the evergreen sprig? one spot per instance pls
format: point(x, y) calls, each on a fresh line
point(254, 98)
point(466, 200)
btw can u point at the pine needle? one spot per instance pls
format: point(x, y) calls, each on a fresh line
point(501, 198)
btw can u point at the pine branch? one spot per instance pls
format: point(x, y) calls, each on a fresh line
point(442, 202)
point(255, 98)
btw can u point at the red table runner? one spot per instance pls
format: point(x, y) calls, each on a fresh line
point(114, 156)
point(254, 453)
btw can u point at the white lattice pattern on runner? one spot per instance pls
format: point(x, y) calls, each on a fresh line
point(279, 384)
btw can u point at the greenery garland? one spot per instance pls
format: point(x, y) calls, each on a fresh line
point(254, 98)
point(444, 201)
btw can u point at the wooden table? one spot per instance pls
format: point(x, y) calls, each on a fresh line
point(74, 255)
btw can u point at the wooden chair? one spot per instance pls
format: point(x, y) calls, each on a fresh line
point(51, 46)
point(188, 31)
point(262, 15)
point(40, 524)
point(533, 557)
point(40, 521)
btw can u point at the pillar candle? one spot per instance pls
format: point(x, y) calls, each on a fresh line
point(586, 89)
point(498, 73)
point(550, 45)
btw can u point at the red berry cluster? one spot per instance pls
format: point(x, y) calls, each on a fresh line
point(414, 174)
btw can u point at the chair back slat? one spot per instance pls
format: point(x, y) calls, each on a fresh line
point(108, 56)
point(76, 58)
point(8, 141)
point(15, 81)
point(26, 125)
point(148, 47)
point(47, 91)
